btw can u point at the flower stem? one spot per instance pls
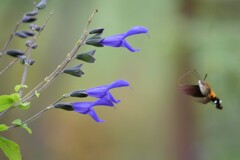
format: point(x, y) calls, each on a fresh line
point(24, 77)
point(39, 114)
point(10, 39)
point(8, 66)
point(32, 42)
point(49, 79)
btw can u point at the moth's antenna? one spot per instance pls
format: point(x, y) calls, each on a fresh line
point(196, 74)
point(205, 77)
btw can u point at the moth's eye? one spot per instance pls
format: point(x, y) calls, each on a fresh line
point(220, 101)
point(216, 101)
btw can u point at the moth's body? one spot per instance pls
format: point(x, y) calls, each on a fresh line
point(203, 91)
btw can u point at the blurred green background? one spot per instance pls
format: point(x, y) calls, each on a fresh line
point(151, 122)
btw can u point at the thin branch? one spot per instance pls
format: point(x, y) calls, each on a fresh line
point(24, 77)
point(8, 66)
point(30, 45)
point(49, 79)
point(26, 67)
point(10, 38)
point(39, 114)
point(32, 118)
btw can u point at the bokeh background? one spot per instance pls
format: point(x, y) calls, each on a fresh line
point(152, 121)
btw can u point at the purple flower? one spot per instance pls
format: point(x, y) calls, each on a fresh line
point(105, 98)
point(103, 91)
point(119, 39)
point(87, 107)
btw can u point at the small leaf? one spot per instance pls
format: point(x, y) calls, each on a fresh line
point(27, 128)
point(20, 86)
point(17, 122)
point(24, 105)
point(3, 127)
point(37, 94)
point(15, 53)
point(6, 101)
point(10, 149)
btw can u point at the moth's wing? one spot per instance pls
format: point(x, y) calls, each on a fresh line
point(204, 100)
point(192, 90)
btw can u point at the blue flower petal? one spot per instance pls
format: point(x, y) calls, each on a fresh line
point(103, 102)
point(82, 107)
point(113, 41)
point(101, 91)
point(97, 92)
point(119, 39)
point(94, 115)
point(87, 107)
point(118, 83)
point(110, 97)
point(129, 47)
point(136, 30)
